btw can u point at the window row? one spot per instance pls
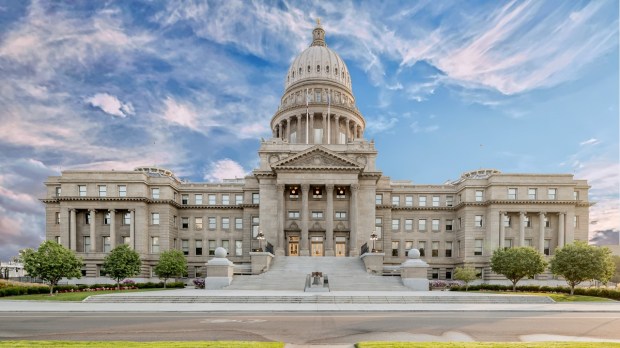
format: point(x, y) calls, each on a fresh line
point(198, 246)
point(533, 193)
point(435, 200)
point(435, 251)
point(317, 215)
point(225, 223)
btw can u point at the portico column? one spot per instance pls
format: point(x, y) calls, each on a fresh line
point(288, 129)
point(570, 228)
point(353, 222)
point(311, 128)
point(337, 125)
point(329, 224)
point(347, 131)
point(521, 228)
point(502, 229)
point(132, 229)
point(305, 191)
point(282, 130)
point(281, 217)
point(112, 228)
point(93, 241)
point(541, 231)
point(323, 141)
point(561, 230)
point(72, 230)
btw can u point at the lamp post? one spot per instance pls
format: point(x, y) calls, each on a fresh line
point(260, 238)
point(373, 238)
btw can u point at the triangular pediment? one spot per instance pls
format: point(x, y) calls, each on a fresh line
point(317, 157)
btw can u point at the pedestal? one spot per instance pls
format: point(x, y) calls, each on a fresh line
point(373, 262)
point(219, 271)
point(260, 261)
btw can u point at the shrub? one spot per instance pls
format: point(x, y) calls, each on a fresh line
point(199, 283)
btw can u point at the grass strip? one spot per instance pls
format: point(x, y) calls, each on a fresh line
point(487, 345)
point(557, 297)
point(127, 344)
point(72, 296)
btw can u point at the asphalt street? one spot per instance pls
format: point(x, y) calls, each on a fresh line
point(312, 328)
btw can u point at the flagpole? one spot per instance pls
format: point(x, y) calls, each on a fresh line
point(329, 103)
point(307, 116)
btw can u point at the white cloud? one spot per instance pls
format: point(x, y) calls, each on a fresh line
point(381, 124)
point(224, 169)
point(604, 179)
point(180, 113)
point(417, 128)
point(110, 105)
point(591, 141)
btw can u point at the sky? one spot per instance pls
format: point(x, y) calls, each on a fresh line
point(445, 86)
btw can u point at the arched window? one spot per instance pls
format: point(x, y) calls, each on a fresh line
point(308, 68)
point(293, 74)
point(299, 71)
point(336, 71)
point(318, 68)
point(343, 74)
point(327, 69)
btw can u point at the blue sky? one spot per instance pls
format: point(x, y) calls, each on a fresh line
point(445, 87)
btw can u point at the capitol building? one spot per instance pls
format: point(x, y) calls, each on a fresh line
point(316, 192)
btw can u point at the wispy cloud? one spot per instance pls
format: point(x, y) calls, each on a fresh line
point(110, 105)
point(380, 124)
point(224, 169)
point(417, 128)
point(591, 141)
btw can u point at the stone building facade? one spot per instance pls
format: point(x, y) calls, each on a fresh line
point(316, 192)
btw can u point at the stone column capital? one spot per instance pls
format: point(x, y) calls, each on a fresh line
point(355, 187)
point(542, 213)
point(92, 210)
point(522, 213)
point(72, 209)
point(112, 210)
point(280, 187)
point(329, 187)
point(305, 187)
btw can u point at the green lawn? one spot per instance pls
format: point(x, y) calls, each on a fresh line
point(553, 296)
point(125, 344)
point(487, 345)
point(71, 296)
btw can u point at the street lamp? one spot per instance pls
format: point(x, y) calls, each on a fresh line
point(260, 238)
point(373, 238)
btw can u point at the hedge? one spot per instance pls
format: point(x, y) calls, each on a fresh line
point(31, 290)
point(597, 292)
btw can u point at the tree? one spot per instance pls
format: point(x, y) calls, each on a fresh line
point(466, 274)
point(517, 263)
point(579, 262)
point(51, 262)
point(616, 277)
point(172, 263)
point(121, 263)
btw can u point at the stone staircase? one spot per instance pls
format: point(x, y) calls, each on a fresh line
point(289, 273)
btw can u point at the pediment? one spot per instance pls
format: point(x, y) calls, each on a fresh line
point(317, 157)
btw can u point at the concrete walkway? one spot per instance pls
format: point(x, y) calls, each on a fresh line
point(51, 306)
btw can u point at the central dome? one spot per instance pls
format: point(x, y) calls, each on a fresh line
point(318, 62)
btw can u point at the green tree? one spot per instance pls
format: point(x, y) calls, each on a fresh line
point(172, 263)
point(466, 274)
point(122, 262)
point(579, 262)
point(517, 263)
point(616, 277)
point(51, 262)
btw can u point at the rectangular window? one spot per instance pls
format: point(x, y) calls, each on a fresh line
point(435, 249)
point(422, 225)
point(395, 224)
point(57, 240)
point(435, 273)
point(226, 245)
point(198, 247)
point(155, 193)
point(422, 248)
point(449, 224)
point(409, 201)
point(82, 190)
point(106, 245)
point(479, 195)
point(408, 245)
point(154, 218)
point(396, 201)
point(527, 221)
point(126, 240)
point(226, 199)
point(58, 190)
point(435, 225)
point(448, 273)
point(255, 198)
point(238, 248)
point(198, 223)
point(341, 215)
point(317, 215)
point(255, 226)
point(106, 218)
point(293, 214)
point(478, 221)
point(408, 224)
point(185, 246)
point(435, 201)
point(225, 223)
point(57, 218)
point(212, 247)
point(174, 221)
point(449, 201)
point(531, 193)
point(422, 201)
point(575, 221)
point(547, 222)
point(238, 223)
point(449, 249)
point(122, 191)
point(378, 226)
point(552, 193)
point(212, 223)
point(507, 221)
point(212, 199)
point(575, 195)
point(512, 193)
point(184, 223)
point(238, 199)
point(198, 199)
point(395, 246)
point(478, 247)
point(103, 190)
point(507, 243)
point(184, 199)
point(547, 248)
point(378, 199)
point(154, 245)
point(86, 240)
point(528, 242)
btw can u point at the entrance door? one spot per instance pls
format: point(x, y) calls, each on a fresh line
point(341, 249)
point(293, 246)
point(317, 248)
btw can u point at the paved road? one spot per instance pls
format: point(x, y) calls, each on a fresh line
point(312, 328)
